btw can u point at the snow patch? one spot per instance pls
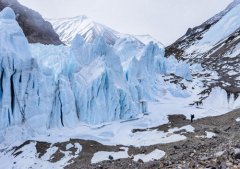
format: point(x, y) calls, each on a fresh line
point(210, 134)
point(154, 155)
point(188, 128)
point(104, 155)
point(68, 146)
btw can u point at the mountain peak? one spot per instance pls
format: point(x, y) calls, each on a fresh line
point(68, 28)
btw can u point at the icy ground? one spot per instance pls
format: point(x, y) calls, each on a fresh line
point(113, 133)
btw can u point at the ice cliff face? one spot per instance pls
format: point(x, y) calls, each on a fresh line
point(98, 83)
point(20, 80)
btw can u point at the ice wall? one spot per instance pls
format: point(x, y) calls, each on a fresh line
point(21, 87)
point(48, 86)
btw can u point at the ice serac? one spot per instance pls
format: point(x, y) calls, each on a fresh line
point(102, 94)
point(127, 48)
point(141, 71)
point(64, 109)
point(19, 88)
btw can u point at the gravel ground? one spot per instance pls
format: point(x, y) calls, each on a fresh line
point(222, 151)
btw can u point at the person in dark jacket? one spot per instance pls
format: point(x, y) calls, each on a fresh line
point(192, 117)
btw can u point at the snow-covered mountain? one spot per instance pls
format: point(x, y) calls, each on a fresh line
point(215, 45)
point(35, 28)
point(68, 28)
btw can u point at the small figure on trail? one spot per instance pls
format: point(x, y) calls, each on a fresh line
point(192, 117)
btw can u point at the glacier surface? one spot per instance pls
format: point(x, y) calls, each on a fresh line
point(90, 82)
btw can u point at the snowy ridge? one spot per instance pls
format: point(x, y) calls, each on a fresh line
point(68, 28)
point(214, 45)
point(227, 25)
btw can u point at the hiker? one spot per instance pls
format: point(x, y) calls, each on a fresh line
point(192, 117)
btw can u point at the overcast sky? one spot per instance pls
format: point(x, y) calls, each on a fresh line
point(166, 20)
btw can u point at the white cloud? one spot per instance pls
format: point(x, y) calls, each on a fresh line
point(166, 20)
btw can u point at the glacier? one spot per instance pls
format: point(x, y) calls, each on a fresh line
point(47, 86)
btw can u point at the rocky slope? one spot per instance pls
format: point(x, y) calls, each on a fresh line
point(35, 28)
point(215, 45)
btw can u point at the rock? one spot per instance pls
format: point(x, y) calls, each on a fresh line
point(110, 157)
point(237, 155)
point(121, 149)
point(140, 161)
point(238, 145)
point(229, 164)
point(100, 167)
point(223, 165)
point(211, 167)
point(227, 128)
point(166, 163)
point(176, 147)
point(161, 165)
point(203, 163)
point(216, 130)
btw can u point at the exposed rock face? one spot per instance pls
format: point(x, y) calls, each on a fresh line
point(35, 28)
